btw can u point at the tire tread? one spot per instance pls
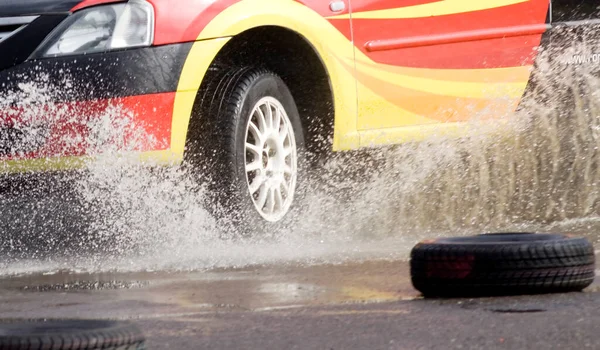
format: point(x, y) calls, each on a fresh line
point(118, 334)
point(566, 264)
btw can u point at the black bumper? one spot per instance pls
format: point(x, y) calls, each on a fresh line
point(105, 75)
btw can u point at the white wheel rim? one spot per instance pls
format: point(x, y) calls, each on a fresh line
point(270, 159)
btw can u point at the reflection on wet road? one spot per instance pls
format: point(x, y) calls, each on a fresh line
point(253, 288)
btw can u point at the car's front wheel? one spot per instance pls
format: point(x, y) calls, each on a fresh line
point(252, 145)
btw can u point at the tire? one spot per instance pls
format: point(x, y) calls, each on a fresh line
point(502, 264)
point(69, 334)
point(229, 122)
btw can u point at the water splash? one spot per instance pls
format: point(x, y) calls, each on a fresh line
point(538, 170)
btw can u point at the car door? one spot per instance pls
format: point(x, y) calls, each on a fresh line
point(424, 63)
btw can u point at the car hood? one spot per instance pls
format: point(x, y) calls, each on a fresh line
point(9, 8)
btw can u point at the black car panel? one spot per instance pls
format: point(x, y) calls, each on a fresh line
point(9, 8)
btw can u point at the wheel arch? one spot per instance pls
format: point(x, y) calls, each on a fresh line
point(293, 58)
point(326, 42)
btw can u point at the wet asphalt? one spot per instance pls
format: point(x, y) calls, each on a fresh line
point(362, 305)
point(367, 304)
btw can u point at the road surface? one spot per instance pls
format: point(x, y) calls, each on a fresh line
point(366, 305)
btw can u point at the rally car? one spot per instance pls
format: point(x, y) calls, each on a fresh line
point(245, 89)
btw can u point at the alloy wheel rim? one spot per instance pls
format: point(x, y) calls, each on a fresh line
point(270, 159)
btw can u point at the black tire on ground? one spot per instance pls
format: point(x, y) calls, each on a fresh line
point(216, 144)
point(502, 264)
point(69, 334)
